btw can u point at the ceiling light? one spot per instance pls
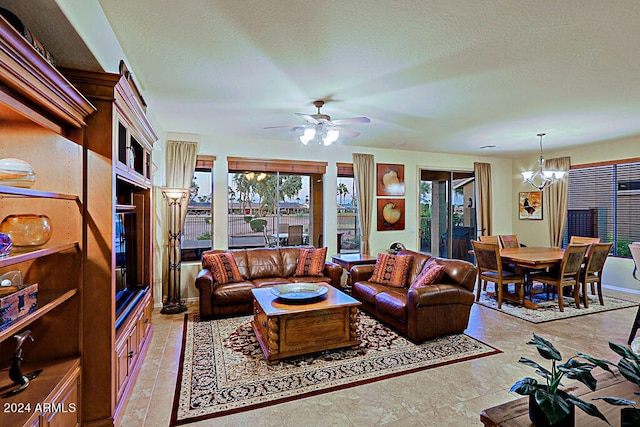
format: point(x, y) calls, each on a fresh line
point(319, 135)
point(542, 178)
point(307, 136)
point(332, 136)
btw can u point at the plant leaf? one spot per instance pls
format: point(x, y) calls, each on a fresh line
point(625, 352)
point(545, 348)
point(629, 370)
point(615, 400)
point(585, 377)
point(588, 408)
point(525, 386)
point(602, 363)
point(535, 365)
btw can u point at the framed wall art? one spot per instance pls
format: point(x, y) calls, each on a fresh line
point(391, 214)
point(389, 179)
point(530, 205)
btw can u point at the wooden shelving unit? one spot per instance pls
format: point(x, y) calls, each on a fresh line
point(120, 139)
point(42, 118)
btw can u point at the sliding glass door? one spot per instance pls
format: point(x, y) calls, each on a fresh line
point(447, 213)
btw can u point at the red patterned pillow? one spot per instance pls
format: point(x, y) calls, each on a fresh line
point(392, 270)
point(311, 262)
point(223, 267)
point(430, 274)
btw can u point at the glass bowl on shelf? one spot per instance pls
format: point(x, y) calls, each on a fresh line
point(27, 229)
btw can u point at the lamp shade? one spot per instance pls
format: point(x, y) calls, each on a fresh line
point(171, 193)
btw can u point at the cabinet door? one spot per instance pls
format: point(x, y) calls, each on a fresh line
point(64, 411)
point(122, 367)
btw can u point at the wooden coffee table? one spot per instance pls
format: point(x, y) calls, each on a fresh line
point(286, 329)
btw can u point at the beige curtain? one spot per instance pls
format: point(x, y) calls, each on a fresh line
point(483, 198)
point(364, 173)
point(181, 163)
point(557, 200)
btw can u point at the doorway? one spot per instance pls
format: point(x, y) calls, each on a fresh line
point(447, 213)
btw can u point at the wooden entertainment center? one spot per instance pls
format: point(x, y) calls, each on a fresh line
point(89, 141)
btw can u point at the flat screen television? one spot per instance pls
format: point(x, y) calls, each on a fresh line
point(127, 288)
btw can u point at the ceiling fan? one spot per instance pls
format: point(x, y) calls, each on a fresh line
point(321, 128)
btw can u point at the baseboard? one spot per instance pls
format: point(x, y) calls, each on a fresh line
point(617, 288)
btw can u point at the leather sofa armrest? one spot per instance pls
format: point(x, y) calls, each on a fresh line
point(334, 272)
point(361, 273)
point(204, 283)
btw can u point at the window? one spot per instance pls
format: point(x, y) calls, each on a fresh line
point(197, 233)
point(604, 201)
point(347, 221)
point(274, 203)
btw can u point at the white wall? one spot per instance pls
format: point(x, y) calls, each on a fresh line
point(617, 271)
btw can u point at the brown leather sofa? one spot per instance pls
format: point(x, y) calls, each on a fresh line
point(259, 268)
point(420, 313)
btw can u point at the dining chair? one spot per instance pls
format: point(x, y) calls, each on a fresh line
point(283, 227)
point(591, 273)
point(294, 237)
point(490, 269)
point(490, 239)
point(568, 274)
point(509, 240)
point(496, 241)
point(635, 254)
point(583, 240)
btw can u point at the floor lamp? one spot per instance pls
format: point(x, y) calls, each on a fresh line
point(174, 198)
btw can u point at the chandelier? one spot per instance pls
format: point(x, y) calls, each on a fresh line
point(542, 178)
point(320, 135)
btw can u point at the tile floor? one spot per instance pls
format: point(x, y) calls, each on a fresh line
point(450, 395)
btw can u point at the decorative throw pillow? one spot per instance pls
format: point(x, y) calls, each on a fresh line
point(430, 274)
point(392, 270)
point(223, 267)
point(311, 262)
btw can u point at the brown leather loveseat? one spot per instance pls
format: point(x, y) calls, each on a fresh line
point(259, 268)
point(423, 312)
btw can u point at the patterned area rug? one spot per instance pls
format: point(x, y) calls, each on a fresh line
point(224, 371)
point(548, 309)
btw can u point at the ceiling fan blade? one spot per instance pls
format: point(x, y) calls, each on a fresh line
point(352, 120)
point(276, 127)
point(348, 132)
point(308, 118)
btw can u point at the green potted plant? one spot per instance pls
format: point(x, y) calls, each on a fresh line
point(548, 404)
point(629, 368)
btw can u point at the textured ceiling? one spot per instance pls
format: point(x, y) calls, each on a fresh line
point(446, 76)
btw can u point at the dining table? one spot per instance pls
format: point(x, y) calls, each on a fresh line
point(530, 259)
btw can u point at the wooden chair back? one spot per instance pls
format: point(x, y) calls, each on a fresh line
point(295, 235)
point(487, 256)
point(283, 227)
point(489, 239)
point(509, 240)
point(583, 240)
point(597, 257)
point(572, 261)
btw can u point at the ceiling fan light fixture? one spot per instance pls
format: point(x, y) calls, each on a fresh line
point(331, 137)
point(307, 136)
